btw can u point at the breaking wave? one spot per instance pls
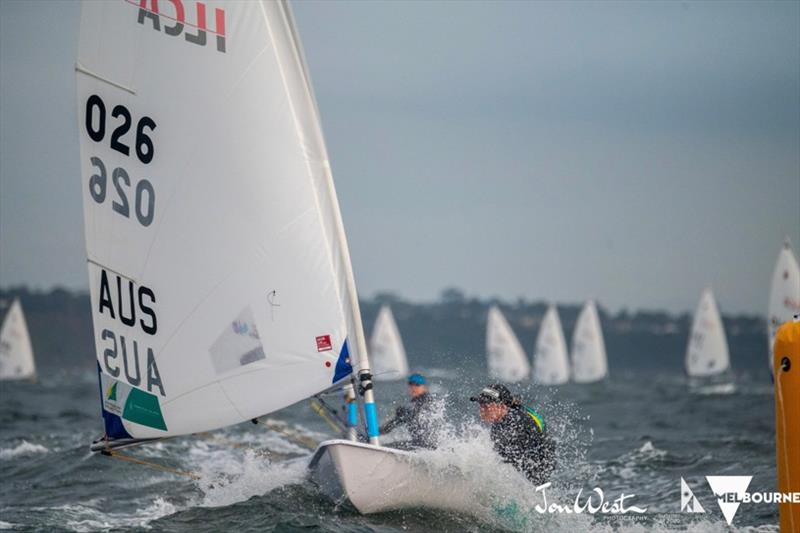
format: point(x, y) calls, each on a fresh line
point(24, 448)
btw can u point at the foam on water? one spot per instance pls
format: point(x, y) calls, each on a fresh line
point(234, 468)
point(714, 389)
point(648, 450)
point(24, 448)
point(228, 480)
point(87, 516)
point(499, 495)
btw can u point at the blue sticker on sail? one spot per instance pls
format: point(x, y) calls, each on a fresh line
point(343, 366)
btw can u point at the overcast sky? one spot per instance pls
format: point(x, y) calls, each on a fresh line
point(631, 152)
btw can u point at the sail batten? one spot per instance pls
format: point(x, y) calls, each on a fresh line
point(217, 258)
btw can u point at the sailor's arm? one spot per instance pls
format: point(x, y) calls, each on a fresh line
point(399, 418)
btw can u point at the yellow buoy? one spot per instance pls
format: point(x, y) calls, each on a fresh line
point(786, 369)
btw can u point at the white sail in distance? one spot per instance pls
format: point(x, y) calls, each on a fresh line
point(550, 364)
point(589, 362)
point(387, 354)
point(707, 350)
point(16, 351)
point(220, 278)
point(784, 294)
point(505, 357)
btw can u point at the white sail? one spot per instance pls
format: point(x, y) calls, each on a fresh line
point(16, 352)
point(589, 362)
point(784, 295)
point(387, 354)
point(220, 278)
point(550, 365)
point(707, 350)
point(505, 357)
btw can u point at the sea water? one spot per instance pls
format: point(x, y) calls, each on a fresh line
point(633, 436)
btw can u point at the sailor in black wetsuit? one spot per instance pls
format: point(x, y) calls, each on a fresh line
point(417, 416)
point(518, 433)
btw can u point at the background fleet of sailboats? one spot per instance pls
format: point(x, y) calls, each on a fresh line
point(707, 349)
point(387, 353)
point(784, 295)
point(589, 360)
point(707, 354)
point(16, 351)
point(507, 361)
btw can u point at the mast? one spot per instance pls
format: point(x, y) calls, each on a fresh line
point(356, 327)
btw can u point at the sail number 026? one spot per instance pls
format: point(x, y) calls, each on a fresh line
point(96, 128)
point(144, 200)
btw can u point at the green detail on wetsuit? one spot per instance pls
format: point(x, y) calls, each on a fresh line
point(536, 417)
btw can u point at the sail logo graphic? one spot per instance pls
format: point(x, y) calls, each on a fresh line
point(174, 19)
point(112, 392)
point(112, 401)
point(689, 502)
point(324, 343)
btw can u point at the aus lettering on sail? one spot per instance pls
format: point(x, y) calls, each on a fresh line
point(170, 17)
point(126, 353)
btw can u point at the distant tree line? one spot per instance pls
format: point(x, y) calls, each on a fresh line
point(446, 332)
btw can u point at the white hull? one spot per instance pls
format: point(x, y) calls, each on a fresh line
point(377, 479)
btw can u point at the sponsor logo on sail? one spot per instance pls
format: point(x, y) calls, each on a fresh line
point(172, 18)
point(324, 343)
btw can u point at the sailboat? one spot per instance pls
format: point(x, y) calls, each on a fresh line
point(16, 352)
point(387, 354)
point(707, 349)
point(505, 357)
point(550, 364)
point(589, 362)
point(220, 277)
point(784, 295)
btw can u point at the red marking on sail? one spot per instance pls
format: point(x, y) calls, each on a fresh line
point(219, 15)
point(324, 343)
